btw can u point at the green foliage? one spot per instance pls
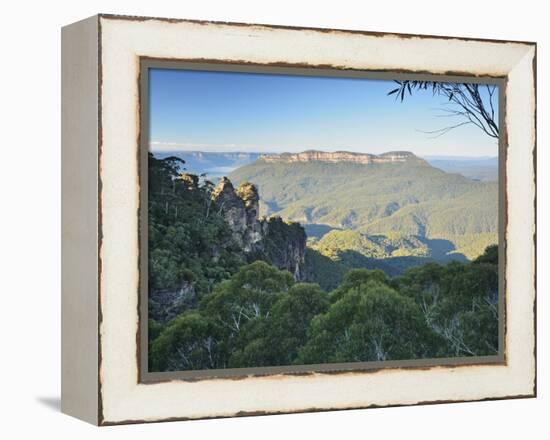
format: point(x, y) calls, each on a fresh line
point(489, 256)
point(325, 271)
point(280, 236)
point(187, 343)
point(410, 198)
point(189, 239)
point(370, 322)
point(154, 329)
point(329, 271)
point(248, 295)
point(291, 316)
point(278, 229)
point(257, 315)
point(261, 317)
point(459, 303)
point(355, 278)
point(276, 338)
point(337, 242)
point(240, 306)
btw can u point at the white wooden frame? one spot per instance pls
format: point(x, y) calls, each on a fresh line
point(100, 135)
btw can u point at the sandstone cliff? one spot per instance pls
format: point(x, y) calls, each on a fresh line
point(339, 156)
point(271, 239)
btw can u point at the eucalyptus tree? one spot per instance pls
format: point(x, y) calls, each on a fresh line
point(473, 104)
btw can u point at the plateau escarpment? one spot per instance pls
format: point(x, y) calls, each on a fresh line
point(339, 156)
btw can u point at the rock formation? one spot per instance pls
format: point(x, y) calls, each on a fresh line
point(340, 156)
point(240, 209)
point(271, 239)
point(284, 245)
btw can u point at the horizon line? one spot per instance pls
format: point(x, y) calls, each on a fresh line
point(183, 150)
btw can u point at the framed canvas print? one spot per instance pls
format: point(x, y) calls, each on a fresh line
point(262, 219)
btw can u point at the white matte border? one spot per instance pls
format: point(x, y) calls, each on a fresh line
point(123, 399)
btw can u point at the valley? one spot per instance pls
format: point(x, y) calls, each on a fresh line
point(396, 204)
point(390, 211)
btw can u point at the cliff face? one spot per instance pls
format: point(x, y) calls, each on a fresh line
point(339, 156)
point(250, 238)
point(284, 245)
point(271, 239)
point(240, 209)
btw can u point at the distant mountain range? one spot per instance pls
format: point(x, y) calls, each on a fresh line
point(218, 164)
point(393, 194)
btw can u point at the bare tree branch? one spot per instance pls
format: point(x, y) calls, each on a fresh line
point(467, 99)
point(442, 131)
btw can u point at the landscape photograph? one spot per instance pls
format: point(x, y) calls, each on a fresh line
point(298, 220)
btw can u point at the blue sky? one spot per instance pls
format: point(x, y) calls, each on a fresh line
point(221, 111)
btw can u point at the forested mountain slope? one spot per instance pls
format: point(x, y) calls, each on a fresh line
point(377, 195)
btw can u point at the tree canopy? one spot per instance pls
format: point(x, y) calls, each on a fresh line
point(261, 317)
